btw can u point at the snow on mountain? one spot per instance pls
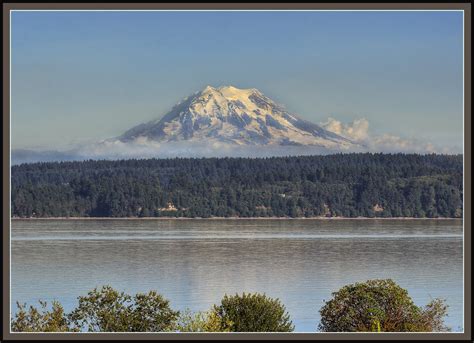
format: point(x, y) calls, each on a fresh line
point(235, 116)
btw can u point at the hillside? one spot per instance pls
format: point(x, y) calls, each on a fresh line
point(349, 185)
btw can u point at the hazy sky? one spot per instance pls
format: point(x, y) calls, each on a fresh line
point(85, 76)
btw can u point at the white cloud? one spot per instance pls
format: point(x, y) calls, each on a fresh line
point(358, 131)
point(391, 143)
point(145, 148)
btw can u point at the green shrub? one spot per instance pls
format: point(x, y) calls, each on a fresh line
point(207, 321)
point(42, 320)
point(375, 305)
point(253, 313)
point(380, 305)
point(107, 310)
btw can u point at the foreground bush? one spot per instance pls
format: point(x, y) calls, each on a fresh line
point(380, 305)
point(253, 313)
point(107, 310)
point(375, 305)
point(201, 322)
point(42, 320)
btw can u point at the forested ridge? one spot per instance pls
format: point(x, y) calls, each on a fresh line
point(348, 185)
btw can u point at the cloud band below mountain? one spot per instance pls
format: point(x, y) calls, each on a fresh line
point(357, 131)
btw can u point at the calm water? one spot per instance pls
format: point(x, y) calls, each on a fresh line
point(195, 262)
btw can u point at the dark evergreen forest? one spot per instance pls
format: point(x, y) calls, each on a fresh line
point(348, 185)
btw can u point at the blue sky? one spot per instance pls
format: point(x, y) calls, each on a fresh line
point(84, 76)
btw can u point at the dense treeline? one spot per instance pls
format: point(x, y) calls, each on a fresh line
point(350, 185)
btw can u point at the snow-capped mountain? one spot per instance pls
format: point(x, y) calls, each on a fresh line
point(237, 116)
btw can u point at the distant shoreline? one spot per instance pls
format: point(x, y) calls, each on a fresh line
point(235, 218)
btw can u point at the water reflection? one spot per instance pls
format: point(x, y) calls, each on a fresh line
point(195, 262)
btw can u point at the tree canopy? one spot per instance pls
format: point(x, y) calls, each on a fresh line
point(108, 310)
point(380, 306)
point(375, 305)
point(253, 313)
point(348, 185)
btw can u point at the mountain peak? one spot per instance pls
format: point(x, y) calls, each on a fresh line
point(238, 116)
point(234, 92)
point(230, 88)
point(229, 91)
point(208, 89)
